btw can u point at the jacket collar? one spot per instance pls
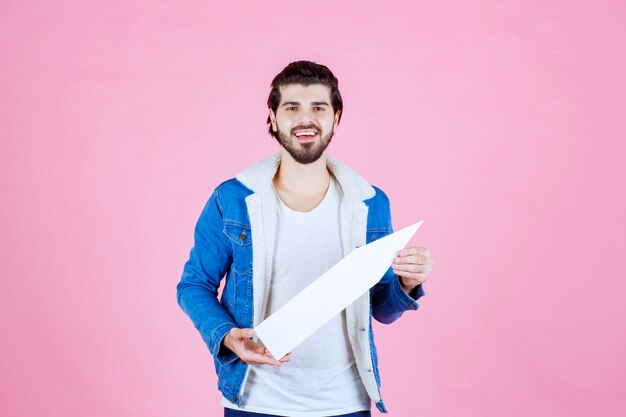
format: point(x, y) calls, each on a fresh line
point(258, 177)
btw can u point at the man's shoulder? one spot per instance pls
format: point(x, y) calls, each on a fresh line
point(230, 189)
point(379, 198)
point(230, 196)
point(379, 213)
point(231, 184)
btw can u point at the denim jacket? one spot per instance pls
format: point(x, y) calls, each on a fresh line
point(234, 237)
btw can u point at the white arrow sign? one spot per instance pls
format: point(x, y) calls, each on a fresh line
point(333, 291)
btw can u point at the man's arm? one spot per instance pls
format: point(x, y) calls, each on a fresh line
point(389, 299)
point(196, 292)
point(209, 260)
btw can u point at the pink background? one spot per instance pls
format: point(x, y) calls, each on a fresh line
point(499, 123)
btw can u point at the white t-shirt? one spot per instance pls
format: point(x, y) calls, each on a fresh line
point(321, 378)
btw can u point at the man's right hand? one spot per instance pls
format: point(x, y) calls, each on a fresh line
point(240, 342)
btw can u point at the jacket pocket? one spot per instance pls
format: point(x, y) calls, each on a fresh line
point(238, 233)
point(240, 236)
point(374, 233)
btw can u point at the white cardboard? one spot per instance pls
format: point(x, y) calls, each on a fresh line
point(332, 292)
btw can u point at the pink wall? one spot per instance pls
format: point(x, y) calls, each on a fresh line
point(501, 124)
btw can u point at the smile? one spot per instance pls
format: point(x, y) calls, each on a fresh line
point(306, 133)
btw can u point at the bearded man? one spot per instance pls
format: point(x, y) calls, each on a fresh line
point(271, 231)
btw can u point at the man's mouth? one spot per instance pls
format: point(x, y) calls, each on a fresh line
point(306, 135)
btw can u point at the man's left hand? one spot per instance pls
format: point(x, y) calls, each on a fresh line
point(413, 265)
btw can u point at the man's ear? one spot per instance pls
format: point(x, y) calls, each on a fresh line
point(336, 122)
point(272, 117)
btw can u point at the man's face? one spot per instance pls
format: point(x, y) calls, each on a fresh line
point(304, 121)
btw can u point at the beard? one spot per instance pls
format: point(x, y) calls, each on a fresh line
point(305, 152)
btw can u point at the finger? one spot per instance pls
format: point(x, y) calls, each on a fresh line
point(241, 333)
point(415, 250)
point(410, 268)
point(412, 276)
point(413, 259)
point(256, 348)
point(283, 359)
point(266, 352)
point(256, 358)
point(411, 250)
point(420, 269)
point(410, 259)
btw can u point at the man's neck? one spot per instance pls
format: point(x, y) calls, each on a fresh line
point(302, 179)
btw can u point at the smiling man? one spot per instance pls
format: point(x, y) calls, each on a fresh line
point(306, 123)
point(271, 231)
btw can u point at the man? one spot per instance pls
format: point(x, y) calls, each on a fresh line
point(272, 231)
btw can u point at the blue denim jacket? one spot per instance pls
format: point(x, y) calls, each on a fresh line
point(234, 237)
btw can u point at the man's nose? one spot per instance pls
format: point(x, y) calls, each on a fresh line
point(305, 116)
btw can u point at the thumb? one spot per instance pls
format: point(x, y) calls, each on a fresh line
point(242, 333)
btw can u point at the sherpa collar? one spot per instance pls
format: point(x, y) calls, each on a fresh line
point(258, 177)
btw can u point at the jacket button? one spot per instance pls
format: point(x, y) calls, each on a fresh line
point(242, 236)
point(234, 399)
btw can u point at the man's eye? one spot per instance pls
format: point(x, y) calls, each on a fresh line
point(291, 108)
point(319, 108)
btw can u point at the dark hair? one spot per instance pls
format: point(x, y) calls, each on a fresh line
point(304, 73)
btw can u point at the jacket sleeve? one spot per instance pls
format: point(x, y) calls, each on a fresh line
point(196, 293)
point(389, 300)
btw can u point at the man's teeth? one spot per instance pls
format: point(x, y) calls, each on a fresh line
point(306, 134)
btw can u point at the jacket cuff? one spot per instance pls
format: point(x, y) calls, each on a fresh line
point(408, 299)
point(221, 353)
